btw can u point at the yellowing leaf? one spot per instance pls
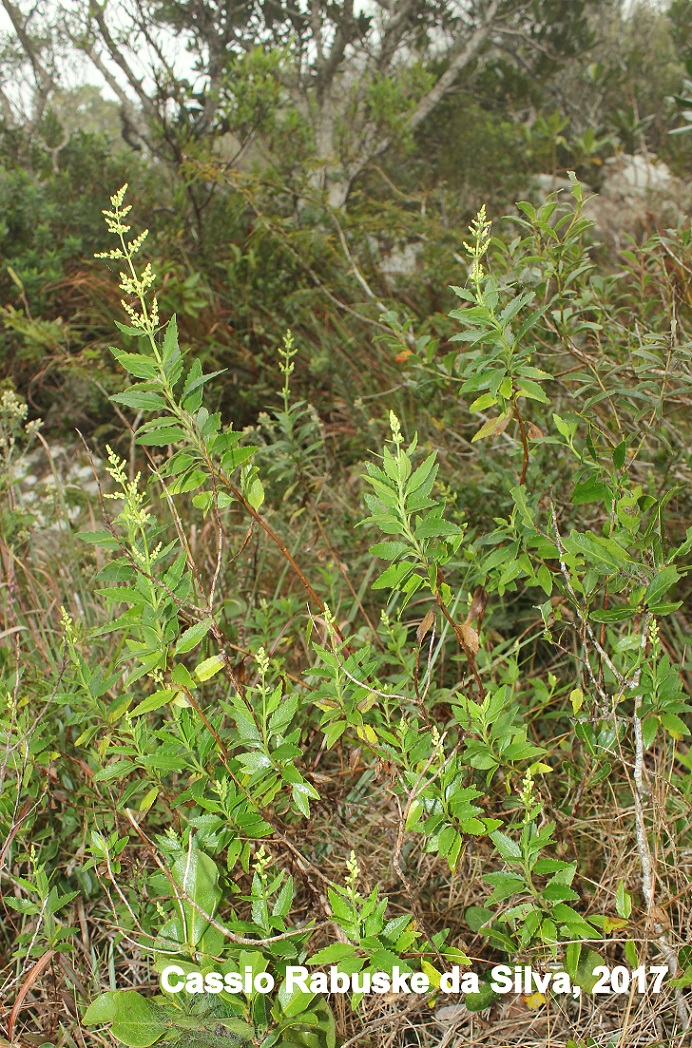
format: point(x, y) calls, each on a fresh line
point(115, 714)
point(367, 703)
point(613, 924)
point(491, 428)
point(149, 798)
point(432, 973)
point(370, 733)
point(209, 667)
point(14, 278)
point(576, 697)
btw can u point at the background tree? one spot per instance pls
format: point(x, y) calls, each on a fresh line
point(312, 162)
point(359, 79)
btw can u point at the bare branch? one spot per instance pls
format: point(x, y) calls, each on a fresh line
point(115, 52)
point(394, 31)
point(645, 861)
point(316, 29)
point(7, 111)
point(344, 34)
point(459, 61)
point(44, 79)
point(130, 112)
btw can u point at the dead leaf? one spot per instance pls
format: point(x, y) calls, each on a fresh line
point(502, 424)
point(385, 770)
point(451, 1013)
point(534, 431)
point(468, 637)
point(319, 779)
point(493, 427)
point(31, 978)
point(658, 918)
point(425, 626)
point(515, 1009)
point(478, 604)
point(354, 758)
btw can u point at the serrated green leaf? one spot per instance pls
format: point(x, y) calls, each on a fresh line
point(104, 539)
point(192, 636)
point(389, 550)
point(160, 437)
point(154, 702)
point(136, 363)
point(661, 583)
point(332, 954)
point(508, 849)
point(170, 339)
point(140, 400)
point(393, 576)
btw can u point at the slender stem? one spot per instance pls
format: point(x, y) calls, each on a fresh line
point(640, 794)
point(276, 539)
point(524, 441)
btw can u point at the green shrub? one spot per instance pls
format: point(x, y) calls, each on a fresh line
point(274, 754)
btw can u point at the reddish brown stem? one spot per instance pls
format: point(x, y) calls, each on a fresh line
point(470, 657)
point(277, 540)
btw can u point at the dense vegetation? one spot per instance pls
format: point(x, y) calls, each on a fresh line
point(345, 528)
